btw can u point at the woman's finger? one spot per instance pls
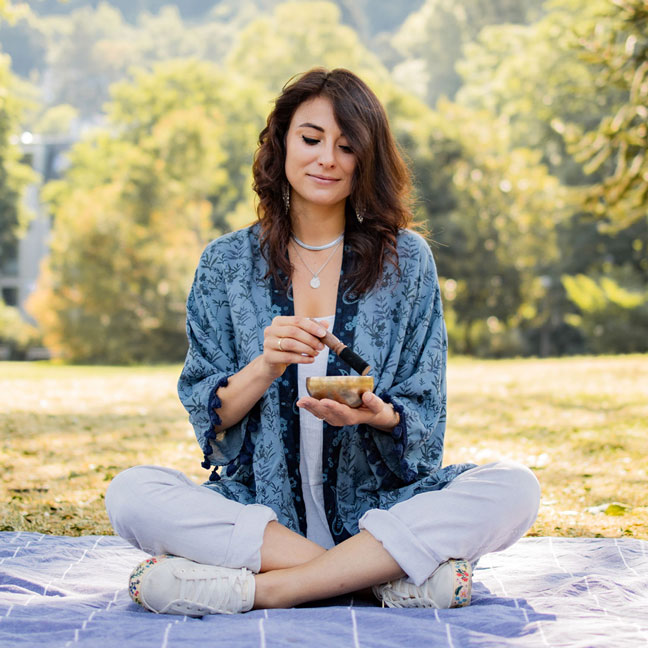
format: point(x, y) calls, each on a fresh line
point(372, 402)
point(333, 412)
point(295, 334)
point(282, 350)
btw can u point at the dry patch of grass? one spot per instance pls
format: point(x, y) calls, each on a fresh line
point(580, 423)
point(66, 431)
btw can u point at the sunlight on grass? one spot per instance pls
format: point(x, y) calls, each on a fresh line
point(580, 423)
point(66, 431)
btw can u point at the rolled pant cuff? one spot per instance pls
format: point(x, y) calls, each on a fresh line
point(414, 558)
point(244, 548)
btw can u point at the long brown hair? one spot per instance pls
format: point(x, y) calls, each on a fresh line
point(381, 186)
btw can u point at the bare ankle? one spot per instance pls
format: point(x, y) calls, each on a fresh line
point(270, 591)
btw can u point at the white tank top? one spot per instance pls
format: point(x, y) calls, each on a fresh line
point(310, 451)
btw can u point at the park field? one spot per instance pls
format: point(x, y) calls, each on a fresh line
point(580, 423)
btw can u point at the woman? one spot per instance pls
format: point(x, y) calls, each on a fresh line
point(314, 498)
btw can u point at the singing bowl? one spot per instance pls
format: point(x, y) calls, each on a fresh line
point(343, 389)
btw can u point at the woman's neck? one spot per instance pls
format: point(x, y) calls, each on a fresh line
point(317, 224)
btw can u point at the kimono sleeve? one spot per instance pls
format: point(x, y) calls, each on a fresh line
point(414, 448)
point(211, 359)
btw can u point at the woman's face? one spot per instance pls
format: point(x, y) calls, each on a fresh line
point(319, 161)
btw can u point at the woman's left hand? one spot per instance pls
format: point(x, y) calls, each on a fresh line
point(373, 411)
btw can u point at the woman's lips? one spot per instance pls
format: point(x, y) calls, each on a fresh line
point(323, 179)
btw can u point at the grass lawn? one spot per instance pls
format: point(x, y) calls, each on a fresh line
point(580, 423)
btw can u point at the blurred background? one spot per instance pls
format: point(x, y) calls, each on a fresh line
point(127, 130)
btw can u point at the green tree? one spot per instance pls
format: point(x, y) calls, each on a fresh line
point(494, 232)
point(431, 40)
point(57, 120)
point(16, 335)
point(14, 175)
point(534, 77)
point(80, 63)
point(273, 48)
point(243, 105)
point(91, 48)
point(491, 207)
point(131, 217)
point(612, 315)
point(617, 47)
point(99, 298)
point(550, 89)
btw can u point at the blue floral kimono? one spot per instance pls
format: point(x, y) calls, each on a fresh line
point(398, 328)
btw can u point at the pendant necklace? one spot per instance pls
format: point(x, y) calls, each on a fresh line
point(315, 281)
point(317, 248)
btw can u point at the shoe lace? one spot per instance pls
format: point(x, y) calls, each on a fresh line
point(223, 592)
point(405, 591)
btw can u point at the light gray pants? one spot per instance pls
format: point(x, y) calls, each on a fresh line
point(488, 508)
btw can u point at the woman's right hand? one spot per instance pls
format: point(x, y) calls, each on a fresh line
point(291, 340)
point(286, 341)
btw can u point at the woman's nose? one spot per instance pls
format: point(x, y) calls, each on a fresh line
point(327, 156)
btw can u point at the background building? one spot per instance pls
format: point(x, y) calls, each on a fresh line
point(18, 272)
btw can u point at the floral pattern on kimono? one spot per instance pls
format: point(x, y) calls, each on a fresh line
point(397, 327)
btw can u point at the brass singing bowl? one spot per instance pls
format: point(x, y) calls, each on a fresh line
point(347, 390)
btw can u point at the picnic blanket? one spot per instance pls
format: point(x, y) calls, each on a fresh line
point(71, 592)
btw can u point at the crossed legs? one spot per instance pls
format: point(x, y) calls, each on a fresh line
point(295, 570)
point(485, 509)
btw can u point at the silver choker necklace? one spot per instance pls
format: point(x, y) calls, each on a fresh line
point(317, 248)
point(315, 281)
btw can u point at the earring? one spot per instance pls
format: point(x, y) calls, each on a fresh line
point(359, 215)
point(286, 198)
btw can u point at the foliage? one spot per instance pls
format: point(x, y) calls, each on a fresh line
point(274, 48)
point(618, 47)
point(57, 120)
point(84, 58)
point(542, 82)
point(83, 47)
point(531, 75)
point(533, 170)
point(131, 218)
point(492, 215)
point(90, 49)
point(367, 17)
point(14, 176)
point(181, 85)
point(561, 81)
point(137, 205)
point(611, 314)
point(431, 40)
point(16, 335)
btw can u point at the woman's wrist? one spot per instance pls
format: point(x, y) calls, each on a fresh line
point(243, 390)
point(266, 371)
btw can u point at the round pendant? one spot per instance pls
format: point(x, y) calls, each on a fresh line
point(315, 282)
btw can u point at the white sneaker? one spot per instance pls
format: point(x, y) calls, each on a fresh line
point(449, 586)
point(171, 585)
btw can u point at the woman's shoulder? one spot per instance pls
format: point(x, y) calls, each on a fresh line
point(237, 243)
point(412, 245)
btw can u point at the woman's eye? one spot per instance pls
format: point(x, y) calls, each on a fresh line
point(346, 149)
point(309, 140)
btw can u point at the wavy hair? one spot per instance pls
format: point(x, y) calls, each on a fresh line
point(381, 184)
